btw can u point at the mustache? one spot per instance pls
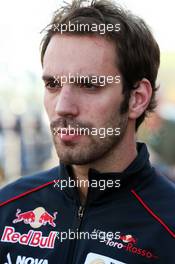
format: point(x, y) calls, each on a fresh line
point(61, 123)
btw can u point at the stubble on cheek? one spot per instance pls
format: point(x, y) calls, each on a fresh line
point(89, 148)
point(74, 152)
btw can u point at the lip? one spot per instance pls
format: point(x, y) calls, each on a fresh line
point(69, 137)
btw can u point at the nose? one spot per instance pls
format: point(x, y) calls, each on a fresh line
point(66, 102)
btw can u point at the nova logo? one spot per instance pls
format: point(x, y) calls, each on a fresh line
point(26, 260)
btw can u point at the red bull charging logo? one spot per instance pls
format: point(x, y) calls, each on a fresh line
point(35, 218)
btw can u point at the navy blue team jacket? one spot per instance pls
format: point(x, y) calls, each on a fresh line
point(40, 223)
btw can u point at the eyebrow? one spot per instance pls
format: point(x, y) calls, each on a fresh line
point(48, 77)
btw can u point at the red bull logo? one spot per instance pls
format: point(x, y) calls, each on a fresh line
point(35, 218)
point(32, 238)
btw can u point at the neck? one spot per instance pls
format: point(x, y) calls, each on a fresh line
point(117, 160)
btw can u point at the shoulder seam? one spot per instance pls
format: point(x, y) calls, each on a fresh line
point(158, 219)
point(26, 193)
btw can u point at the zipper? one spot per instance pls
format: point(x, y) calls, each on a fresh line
point(80, 214)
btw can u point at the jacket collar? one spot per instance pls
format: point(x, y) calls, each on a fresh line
point(132, 177)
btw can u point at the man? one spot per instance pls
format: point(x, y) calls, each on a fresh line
point(105, 203)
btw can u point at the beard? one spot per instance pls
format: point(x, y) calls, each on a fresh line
point(89, 148)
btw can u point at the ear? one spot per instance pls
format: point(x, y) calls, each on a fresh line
point(140, 99)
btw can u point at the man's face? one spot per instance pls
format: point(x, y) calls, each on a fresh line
point(82, 105)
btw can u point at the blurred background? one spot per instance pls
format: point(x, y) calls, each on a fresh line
point(25, 140)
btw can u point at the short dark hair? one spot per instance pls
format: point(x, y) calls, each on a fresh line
point(138, 54)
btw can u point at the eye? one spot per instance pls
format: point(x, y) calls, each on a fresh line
point(52, 85)
point(88, 86)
